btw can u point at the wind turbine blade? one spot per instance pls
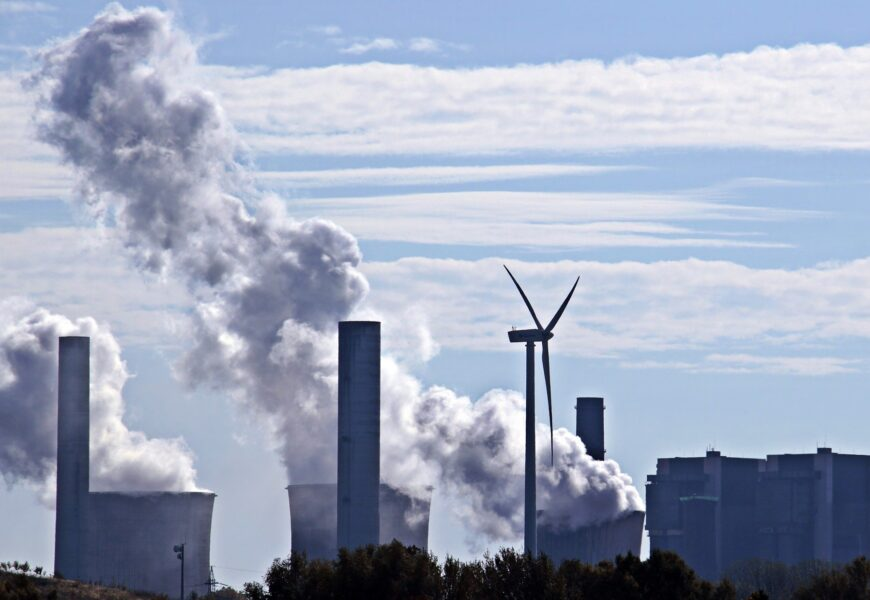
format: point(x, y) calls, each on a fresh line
point(559, 312)
point(546, 358)
point(526, 300)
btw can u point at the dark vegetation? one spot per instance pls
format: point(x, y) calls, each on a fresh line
point(18, 581)
point(777, 580)
point(393, 572)
point(806, 581)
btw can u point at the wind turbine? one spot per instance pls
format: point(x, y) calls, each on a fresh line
point(529, 337)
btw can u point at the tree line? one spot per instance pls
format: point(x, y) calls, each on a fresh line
point(394, 571)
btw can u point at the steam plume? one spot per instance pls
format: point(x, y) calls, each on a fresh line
point(475, 451)
point(158, 160)
point(121, 459)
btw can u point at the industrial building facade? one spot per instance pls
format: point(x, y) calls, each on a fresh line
point(716, 510)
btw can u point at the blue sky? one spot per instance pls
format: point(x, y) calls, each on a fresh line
point(701, 166)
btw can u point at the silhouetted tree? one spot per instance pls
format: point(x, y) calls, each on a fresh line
point(851, 582)
point(777, 580)
point(254, 591)
point(461, 581)
point(393, 571)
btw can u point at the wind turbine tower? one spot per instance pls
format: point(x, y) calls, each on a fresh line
point(529, 337)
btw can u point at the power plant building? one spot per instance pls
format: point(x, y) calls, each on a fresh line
point(703, 509)
point(814, 506)
point(790, 508)
point(122, 539)
point(597, 541)
point(359, 509)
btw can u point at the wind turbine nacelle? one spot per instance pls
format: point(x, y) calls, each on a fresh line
point(528, 335)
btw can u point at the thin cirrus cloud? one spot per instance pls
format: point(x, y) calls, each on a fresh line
point(375, 44)
point(326, 30)
point(428, 175)
point(546, 219)
point(82, 271)
point(29, 168)
point(785, 365)
point(34, 179)
point(750, 363)
point(358, 45)
point(716, 316)
point(798, 98)
point(20, 6)
point(793, 321)
point(17, 138)
point(422, 45)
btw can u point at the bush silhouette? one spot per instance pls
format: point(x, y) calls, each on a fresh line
point(394, 571)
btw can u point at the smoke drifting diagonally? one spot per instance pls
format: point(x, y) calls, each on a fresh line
point(121, 459)
point(157, 158)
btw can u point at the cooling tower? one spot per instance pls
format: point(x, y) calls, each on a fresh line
point(593, 543)
point(590, 425)
point(404, 518)
point(122, 539)
point(597, 541)
point(359, 432)
point(131, 542)
point(73, 422)
point(313, 519)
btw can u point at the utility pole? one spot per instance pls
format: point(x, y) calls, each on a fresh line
point(179, 553)
point(211, 583)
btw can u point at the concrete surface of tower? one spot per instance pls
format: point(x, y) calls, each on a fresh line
point(115, 538)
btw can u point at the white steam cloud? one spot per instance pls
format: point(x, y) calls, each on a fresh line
point(121, 459)
point(158, 161)
point(475, 451)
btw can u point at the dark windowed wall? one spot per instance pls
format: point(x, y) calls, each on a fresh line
point(703, 508)
point(716, 510)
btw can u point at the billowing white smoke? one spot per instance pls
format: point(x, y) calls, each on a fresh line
point(476, 450)
point(121, 459)
point(157, 160)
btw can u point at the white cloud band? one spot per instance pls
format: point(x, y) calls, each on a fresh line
point(796, 98)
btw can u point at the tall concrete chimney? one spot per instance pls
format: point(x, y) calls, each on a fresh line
point(359, 432)
point(73, 434)
point(590, 425)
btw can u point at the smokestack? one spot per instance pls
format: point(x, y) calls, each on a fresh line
point(359, 432)
point(590, 425)
point(73, 425)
